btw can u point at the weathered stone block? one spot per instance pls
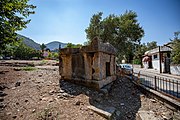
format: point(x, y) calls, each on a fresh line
point(93, 66)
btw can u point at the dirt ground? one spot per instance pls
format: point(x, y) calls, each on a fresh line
point(30, 93)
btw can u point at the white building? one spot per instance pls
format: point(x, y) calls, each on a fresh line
point(160, 58)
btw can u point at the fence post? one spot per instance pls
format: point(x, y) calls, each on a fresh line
point(177, 89)
point(138, 81)
point(155, 83)
point(132, 74)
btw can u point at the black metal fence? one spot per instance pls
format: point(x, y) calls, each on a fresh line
point(168, 86)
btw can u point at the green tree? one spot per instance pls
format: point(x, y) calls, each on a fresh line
point(43, 46)
point(24, 52)
point(176, 48)
point(55, 55)
point(13, 17)
point(95, 26)
point(8, 51)
point(70, 45)
point(141, 49)
point(121, 31)
point(151, 45)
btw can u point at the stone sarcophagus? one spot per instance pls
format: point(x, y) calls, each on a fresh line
point(93, 65)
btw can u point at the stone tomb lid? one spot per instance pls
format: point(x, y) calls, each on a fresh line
point(95, 46)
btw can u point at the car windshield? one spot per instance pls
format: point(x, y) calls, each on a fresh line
point(126, 66)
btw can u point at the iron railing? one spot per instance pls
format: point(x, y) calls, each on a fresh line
point(168, 86)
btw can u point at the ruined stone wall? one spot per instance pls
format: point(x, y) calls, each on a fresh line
point(95, 67)
point(88, 61)
point(113, 65)
point(78, 69)
point(66, 66)
point(92, 65)
point(106, 59)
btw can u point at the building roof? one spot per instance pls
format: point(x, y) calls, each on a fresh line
point(156, 50)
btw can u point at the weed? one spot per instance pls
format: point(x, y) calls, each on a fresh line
point(43, 62)
point(44, 114)
point(47, 114)
point(28, 68)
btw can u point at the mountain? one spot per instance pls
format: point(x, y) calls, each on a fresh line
point(29, 42)
point(55, 45)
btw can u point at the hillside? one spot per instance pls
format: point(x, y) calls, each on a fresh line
point(55, 45)
point(52, 45)
point(29, 42)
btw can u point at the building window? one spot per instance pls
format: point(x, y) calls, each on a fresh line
point(108, 69)
point(155, 56)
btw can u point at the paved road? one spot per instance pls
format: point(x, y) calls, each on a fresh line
point(153, 72)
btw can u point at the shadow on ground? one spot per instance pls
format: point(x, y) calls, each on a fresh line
point(124, 96)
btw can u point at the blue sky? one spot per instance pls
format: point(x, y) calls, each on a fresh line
point(66, 20)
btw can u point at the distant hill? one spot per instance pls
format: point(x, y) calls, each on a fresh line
point(55, 45)
point(29, 42)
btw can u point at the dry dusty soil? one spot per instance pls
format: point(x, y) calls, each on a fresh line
point(37, 93)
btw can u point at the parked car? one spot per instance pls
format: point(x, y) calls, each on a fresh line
point(1, 57)
point(127, 68)
point(7, 58)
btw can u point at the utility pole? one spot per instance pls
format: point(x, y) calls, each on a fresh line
point(160, 59)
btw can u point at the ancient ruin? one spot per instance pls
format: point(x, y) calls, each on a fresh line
point(93, 65)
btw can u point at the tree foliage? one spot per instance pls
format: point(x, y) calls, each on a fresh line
point(20, 51)
point(141, 49)
point(176, 48)
point(25, 53)
point(151, 45)
point(121, 31)
point(13, 17)
point(8, 51)
point(43, 46)
point(70, 45)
